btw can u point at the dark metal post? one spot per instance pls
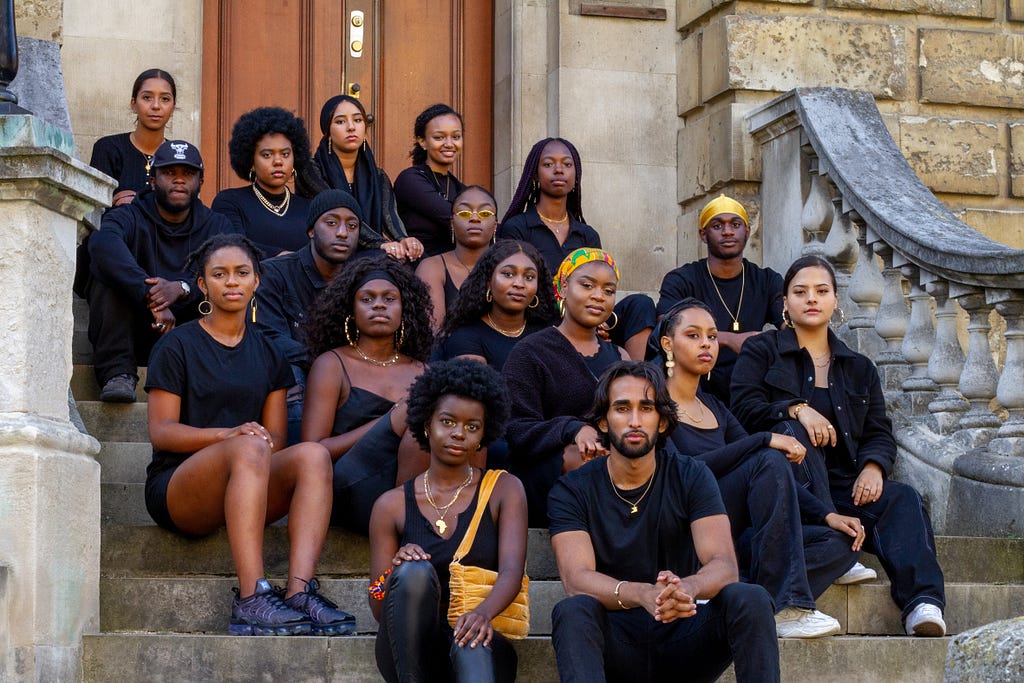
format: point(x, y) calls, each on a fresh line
point(8, 58)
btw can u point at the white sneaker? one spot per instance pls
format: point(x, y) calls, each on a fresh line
point(858, 574)
point(926, 620)
point(797, 622)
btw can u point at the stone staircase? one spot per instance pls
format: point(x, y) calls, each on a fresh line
point(165, 600)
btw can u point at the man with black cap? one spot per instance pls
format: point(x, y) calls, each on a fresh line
point(743, 296)
point(139, 288)
point(290, 284)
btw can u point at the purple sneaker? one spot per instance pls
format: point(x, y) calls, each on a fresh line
point(264, 614)
point(327, 619)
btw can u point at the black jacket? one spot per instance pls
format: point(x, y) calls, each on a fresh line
point(288, 288)
point(773, 372)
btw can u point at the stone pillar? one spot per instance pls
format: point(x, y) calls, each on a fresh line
point(49, 479)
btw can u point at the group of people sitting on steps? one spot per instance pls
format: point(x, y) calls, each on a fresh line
point(374, 357)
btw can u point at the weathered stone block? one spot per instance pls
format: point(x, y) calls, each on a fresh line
point(1017, 158)
point(953, 156)
point(42, 19)
point(1002, 226)
point(688, 11)
point(714, 149)
point(781, 53)
point(971, 67)
point(994, 652)
point(688, 74)
point(1015, 10)
point(39, 85)
point(947, 8)
point(605, 42)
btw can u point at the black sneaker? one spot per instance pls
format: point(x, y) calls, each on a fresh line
point(119, 389)
point(327, 619)
point(264, 614)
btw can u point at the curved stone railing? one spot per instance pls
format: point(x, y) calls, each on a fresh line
point(835, 184)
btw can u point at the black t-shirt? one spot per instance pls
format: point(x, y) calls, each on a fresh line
point(480, 339)
point(271, 233)
point(116, 156)
point(635, 547)
point(219, 386)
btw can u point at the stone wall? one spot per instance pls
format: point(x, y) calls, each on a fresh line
point(947, 76)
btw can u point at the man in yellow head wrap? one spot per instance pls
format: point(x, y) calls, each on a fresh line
point(743, 296)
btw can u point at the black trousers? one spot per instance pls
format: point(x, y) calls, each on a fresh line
point(594, 644)
point(414, 636)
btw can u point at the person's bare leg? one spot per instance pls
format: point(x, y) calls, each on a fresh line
point(226, 485)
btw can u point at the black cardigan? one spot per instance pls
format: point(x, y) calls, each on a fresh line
point(772, 373)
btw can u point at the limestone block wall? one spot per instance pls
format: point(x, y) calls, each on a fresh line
point(948, 77)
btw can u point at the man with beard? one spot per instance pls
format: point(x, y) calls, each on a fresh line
point(139, 287)
point(743, 297)
point(645, 554)
point(291, 283)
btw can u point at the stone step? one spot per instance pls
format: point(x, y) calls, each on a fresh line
point(115, 421)
point(84, 387)
point(230, 659)
point(149, 550)
point(201, 604)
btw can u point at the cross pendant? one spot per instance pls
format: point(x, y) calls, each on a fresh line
point(735, 325)
point(441, 526)
point(633, 510)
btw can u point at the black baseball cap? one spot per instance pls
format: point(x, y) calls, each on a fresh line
point(177, 153)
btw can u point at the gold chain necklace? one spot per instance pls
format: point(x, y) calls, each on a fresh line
point(632, 504)
point(695, 420)
point(441, 525)
point(276, 209)
point(373, 361)
point(497, 328)
point(827, 359)
point(739, 304)
point(544, 218)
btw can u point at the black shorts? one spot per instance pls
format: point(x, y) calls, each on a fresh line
point(156, 499)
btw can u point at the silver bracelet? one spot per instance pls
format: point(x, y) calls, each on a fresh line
point(617, 598)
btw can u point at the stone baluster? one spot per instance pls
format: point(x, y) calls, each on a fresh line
point(918, 344)
point(816, 216)
point(841, 252)
point(1010, 390)
point(892, 322)
point(865, 291)
point(979, 377)
point(946, 361)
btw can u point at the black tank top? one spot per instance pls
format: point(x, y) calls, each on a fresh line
point(361, 406)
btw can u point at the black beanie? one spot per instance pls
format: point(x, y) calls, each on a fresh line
point(330, 199)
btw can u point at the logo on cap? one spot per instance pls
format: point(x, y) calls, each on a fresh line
point(179, 149)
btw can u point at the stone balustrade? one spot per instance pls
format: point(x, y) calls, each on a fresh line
point(917, 286)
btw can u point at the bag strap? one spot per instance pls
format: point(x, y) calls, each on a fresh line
point(486, 486)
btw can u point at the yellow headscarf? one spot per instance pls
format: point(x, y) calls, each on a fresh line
point(719, 205)
point(577, 258)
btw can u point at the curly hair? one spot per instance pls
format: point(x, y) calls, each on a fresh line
point(197, 260)
point(528, 192)
point(419, 128)
point(471, 303)
point(253, 125)
point(325, 327)
point(466, 379)
point(663, 402)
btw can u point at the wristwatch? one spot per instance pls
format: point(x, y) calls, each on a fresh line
point(185, 288)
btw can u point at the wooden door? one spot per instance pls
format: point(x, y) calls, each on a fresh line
point(297, 53)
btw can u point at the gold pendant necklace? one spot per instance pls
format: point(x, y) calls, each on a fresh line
point(373, 361)
point(633, 509)
point(501, 330)
point(739, 304)
point(691, 418)
point(441, 525)
point(276, 209)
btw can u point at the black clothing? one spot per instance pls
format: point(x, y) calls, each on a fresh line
point(551, 387)
point(425, 206)
point(528, 227)
point(219, 386)
point(134, 243)
point(762, 304)
point(116, 156)
point(773, 373)
point(480, 339)
point(451, 292)
point(372, 189)
point(271, 233)
point(592, 642)
point(288, 288)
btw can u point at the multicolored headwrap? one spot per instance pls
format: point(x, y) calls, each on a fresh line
point(719, 205)
point(577, 258)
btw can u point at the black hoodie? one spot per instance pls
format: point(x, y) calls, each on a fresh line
point(135, 243)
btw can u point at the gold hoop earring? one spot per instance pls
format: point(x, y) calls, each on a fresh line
point(348, 335)
point(785, 317)
point(209, 307)
point(612, 326)
point(252, 175)
point(842, 319)
point(535, 303)
point(252, 304)
point(400, 336)
point(561, 307)
point(670, 363)
point(489, 296)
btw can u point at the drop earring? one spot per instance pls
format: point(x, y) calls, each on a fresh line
point(670, 363)
point(253, 306)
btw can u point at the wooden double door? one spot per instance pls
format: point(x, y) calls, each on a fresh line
point(397, 56)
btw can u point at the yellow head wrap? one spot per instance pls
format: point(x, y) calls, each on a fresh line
point(719, 205)
point(577, 258)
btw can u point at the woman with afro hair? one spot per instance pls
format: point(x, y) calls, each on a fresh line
point(370, 334)
point(547, 212)
point(455, 408)
point(269, 148)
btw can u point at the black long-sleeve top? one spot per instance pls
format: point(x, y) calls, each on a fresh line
point(288, 287)
point(528, 227)
point(271, 233)
point(425, 206)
